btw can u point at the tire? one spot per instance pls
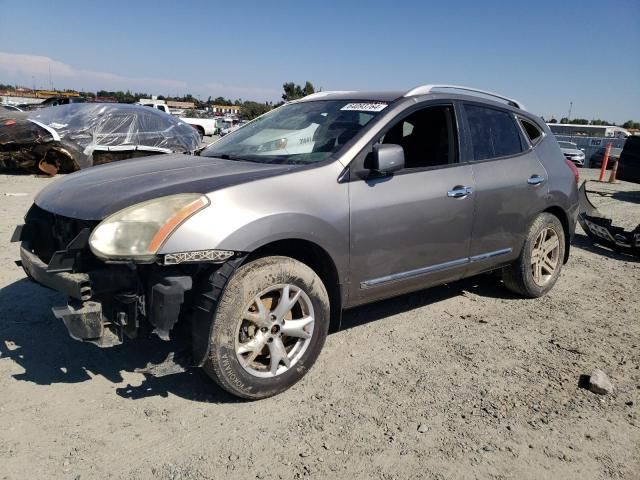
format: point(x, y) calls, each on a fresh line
point(233, 335)
point(519, 277)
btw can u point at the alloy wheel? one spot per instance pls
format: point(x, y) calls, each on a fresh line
point(275, 330)
point(545, 256)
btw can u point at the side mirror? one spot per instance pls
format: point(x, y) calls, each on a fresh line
point(386, 158)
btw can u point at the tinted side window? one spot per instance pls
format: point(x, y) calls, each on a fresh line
point(494, 133)
point(533, 132)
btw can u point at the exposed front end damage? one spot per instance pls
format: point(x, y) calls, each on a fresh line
point(25, 145)
point(601, 229)
point(106, 301)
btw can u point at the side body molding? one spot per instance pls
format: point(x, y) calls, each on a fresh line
point(432, 268)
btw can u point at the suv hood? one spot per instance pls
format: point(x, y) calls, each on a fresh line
point(97, 192)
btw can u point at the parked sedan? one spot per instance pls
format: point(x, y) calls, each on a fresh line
point(572, 153)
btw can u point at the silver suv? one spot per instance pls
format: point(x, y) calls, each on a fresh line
point(258, 244)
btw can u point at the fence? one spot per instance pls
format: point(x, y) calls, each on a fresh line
point(591, 145)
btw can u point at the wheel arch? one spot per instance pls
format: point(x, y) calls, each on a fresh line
point(305, 251)
point(561, 215)
point(199, 128)
point(316, 258)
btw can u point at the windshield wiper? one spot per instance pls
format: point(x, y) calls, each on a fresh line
point(255, 159)
point(226, 156)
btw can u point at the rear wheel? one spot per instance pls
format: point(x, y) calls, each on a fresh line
point(538, 267)
point(270, 325)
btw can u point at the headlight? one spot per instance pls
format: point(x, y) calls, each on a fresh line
point(137, 232)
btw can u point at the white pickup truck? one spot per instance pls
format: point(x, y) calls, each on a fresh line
point(206, 126)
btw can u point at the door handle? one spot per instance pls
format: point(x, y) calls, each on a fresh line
point(536, 180)
point(459, 192)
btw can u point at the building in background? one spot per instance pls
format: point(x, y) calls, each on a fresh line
point(180, 105)
point(226, 109)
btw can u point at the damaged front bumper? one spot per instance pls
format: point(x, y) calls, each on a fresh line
point(83, 315)
point(112, 300)
point(75, 285)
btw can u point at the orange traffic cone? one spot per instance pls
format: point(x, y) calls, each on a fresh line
point(614, 172)
point(605, 160)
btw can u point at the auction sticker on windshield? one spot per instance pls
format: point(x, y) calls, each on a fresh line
point(365, 107)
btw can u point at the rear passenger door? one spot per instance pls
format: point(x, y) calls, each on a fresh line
point(510, 181)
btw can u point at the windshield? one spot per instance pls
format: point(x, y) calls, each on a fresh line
point(305, 132)
point(568, 145)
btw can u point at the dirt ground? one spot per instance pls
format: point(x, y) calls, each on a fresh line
point(460, 381)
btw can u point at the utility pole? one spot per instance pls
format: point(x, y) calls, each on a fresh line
point(569, 115)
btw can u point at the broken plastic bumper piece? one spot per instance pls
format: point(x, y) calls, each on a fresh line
point(84, 322)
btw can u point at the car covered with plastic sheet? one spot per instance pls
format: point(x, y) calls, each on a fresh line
point(72, 137)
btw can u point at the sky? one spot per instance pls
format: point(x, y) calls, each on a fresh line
point(545, 53)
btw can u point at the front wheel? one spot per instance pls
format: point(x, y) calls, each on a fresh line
point(537, 269)
point(270, 325)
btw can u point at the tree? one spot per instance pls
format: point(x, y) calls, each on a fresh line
point(293, 91)
point(564, 120)
point(290, 92)
point(250, 110)
point(308, 88)
point(553, 120)
point(631, 124)
point(580, 121)
point(222, 101)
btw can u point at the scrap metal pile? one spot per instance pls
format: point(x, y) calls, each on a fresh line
point(71, 137)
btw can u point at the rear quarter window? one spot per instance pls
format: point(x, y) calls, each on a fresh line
point(534, 134)
point(494, 132)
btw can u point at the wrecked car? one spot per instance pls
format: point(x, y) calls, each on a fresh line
point(339, 199)
point(67, 138)
point(601, 229)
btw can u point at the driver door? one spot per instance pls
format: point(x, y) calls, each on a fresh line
point(412, 229)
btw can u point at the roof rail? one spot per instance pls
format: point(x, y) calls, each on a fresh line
point(426, 89)
point(324, 94)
